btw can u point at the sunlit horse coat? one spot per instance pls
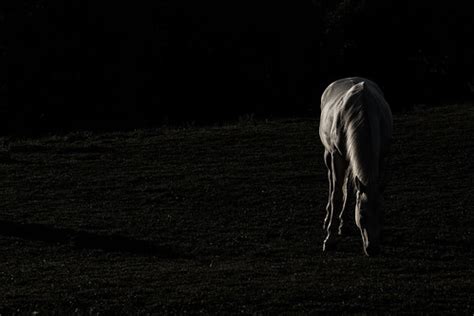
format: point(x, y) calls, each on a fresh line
point(356, 130)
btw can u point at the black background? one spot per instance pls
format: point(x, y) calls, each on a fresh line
point(102, 64)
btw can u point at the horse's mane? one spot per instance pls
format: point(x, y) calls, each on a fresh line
point(359, 142)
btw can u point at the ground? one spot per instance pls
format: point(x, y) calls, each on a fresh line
point(229, 220)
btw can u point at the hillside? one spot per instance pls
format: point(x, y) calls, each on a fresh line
point(228, 219)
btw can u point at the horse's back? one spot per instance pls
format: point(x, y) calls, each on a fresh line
point(351, 99)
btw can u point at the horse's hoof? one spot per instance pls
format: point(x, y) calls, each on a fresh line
point(372, 251)
point(325, 223)
point(327, 247)
point(346, 231)
point(343, 231)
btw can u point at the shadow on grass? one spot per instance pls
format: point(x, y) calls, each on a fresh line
point(88, 240)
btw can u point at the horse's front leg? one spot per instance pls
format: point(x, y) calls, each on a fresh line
point(338, 172)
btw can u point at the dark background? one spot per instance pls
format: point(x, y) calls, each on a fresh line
point(223, 219)
point(106, 65)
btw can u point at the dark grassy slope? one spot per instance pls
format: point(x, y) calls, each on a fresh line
point(229, 219)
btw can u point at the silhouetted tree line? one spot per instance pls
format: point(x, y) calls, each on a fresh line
point(103, 64)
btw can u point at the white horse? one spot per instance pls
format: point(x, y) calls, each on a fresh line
point(356, 131)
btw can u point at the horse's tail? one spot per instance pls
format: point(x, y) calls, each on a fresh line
point(357, 132)
point(354, 94)
point(353, 103)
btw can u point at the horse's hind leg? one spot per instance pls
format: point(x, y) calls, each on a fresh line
point(338, 173)
point(327, 162)
point(345, 189)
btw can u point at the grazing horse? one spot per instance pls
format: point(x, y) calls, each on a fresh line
point(356, 131)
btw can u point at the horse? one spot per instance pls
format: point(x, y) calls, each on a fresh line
point(356, 132)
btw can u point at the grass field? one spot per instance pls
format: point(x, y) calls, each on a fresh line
point(229, 219)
